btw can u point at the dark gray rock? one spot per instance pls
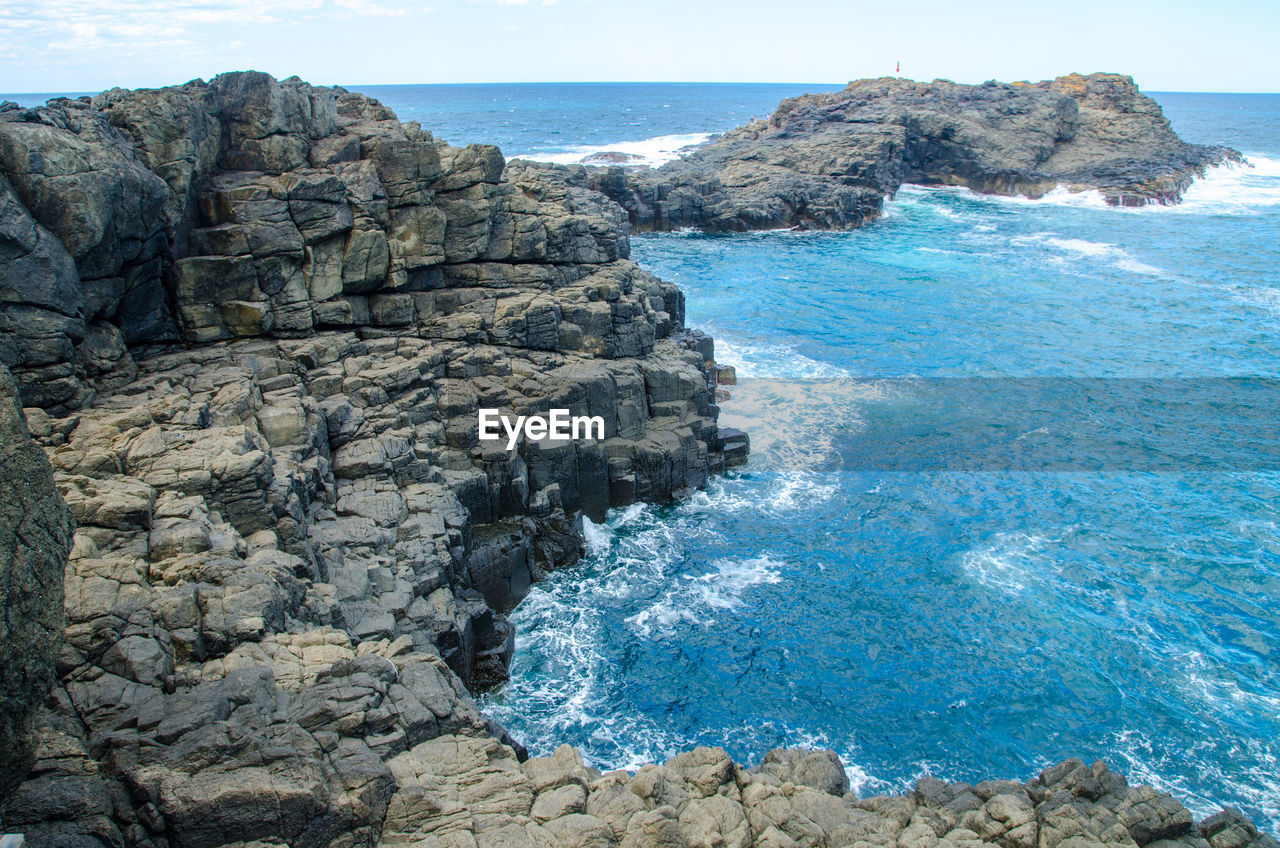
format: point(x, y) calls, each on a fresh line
point(35, 539)
point(827, 161)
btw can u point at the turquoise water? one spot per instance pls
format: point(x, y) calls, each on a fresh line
point(967, 624)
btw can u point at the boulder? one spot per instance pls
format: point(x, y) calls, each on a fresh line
point(821, 770)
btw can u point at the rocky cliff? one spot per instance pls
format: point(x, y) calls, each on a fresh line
point(251, 323)
point(827, 161)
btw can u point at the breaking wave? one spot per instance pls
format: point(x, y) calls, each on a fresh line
point(649, 152)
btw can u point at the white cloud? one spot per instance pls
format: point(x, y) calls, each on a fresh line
point(368, 7)
point(49, 27)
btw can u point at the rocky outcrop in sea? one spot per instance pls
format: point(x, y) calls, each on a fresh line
point(254, 559)
point(827, 161)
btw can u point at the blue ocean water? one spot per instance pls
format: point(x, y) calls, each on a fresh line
point(965, 624)
point(564, 121)
point(971, 624)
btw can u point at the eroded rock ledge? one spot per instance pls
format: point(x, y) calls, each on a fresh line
point(827, 161)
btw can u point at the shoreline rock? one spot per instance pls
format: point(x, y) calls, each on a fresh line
point(252, 323)
point(827, 161)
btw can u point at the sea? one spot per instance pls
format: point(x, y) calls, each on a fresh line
point(1014, 491)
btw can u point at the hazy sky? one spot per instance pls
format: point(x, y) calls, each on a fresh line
point(83, 45)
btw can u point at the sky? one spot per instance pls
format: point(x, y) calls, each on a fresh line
point(1167, 45)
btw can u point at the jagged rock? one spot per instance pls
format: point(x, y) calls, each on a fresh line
point(821, 770)
point(294, 552)
point(35, 539)
point(1230, 829)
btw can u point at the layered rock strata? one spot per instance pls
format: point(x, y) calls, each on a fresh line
point(252, 323)
point(827, 161)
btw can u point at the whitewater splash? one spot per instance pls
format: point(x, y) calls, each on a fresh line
point(1059, 196)
point(649, 152)
point(1072, 249)
point(1255, 773)
point(696, 599)
point(771, 360)
point(564, 627)
point(565, 677)
point(566, 681)
point(1011, 562)
point(1233, 188)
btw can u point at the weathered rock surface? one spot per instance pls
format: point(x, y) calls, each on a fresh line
point(35, 538)
point(827, 161)
point(471, 791)
point(252, 323)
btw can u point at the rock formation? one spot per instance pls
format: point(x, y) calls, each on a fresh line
point(827, 161)
point(35, 538)
point(252, 323)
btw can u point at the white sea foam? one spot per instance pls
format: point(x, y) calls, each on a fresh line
point(1088, 248)
point(649, 152)
point(1230, 189)
point(773, 360)
point(1060, 196)
point(1234, 189)
point(1258, 785)
point(564, 627)
point(1075, 248)
point(1213, 687)
point(629, 515)
point(1011, 562)
point(696, 599)
point(1116, 255)
point(599, 537)
point(803, 491)
point(1063, 196)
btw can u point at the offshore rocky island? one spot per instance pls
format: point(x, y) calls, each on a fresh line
point(253, 556)
point(827, 161)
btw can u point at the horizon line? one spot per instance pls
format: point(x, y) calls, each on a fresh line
point(83, 92)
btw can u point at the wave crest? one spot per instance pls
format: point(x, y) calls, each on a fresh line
point(649, 152)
